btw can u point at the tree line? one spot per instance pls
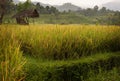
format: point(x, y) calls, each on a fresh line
point(102, 15)
point(42, 10)
point(8, 7)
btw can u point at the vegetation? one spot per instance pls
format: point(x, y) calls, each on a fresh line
point(11, 58)
point(56, 47)
point(70, 41)
point(71, 70)
point(59, 52)
point(51, 15)
point(113, 75)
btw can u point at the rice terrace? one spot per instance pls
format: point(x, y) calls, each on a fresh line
point(81, 45)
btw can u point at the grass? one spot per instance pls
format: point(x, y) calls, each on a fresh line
point(66, 41)
point(71, 70)
point(60, 19)
point(11, 59)
point(64, 19)
point(113, 75)
point(88, 59)
point(54, 49)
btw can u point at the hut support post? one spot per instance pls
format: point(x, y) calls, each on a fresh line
point(27, 20)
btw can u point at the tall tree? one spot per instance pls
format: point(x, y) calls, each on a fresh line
point(40, 8)
point(28, 4)
point(115, 19)
point(3, 6)
point(103, 9)
point(25, 6)
point(48, 9)
point(53, 10)
point(96, 8)
point(2, 9)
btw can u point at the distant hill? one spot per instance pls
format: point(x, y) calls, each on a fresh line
point(67, 7)
point(64, 7)
point(115, 5)
point(42, 4)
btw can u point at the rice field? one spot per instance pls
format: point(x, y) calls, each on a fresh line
point(52, 42)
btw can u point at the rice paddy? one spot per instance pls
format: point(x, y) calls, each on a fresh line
point(20, 45)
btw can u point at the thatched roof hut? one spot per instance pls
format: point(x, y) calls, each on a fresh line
point(22, 16)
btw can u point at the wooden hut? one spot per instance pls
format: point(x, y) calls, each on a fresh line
point(22, 17)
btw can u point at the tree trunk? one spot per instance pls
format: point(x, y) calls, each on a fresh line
point(1, 17)
point(2, 11)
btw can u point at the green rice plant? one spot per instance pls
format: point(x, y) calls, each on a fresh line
point(11, 59)
point(71, 70)
point(66, 41)
point(54, 42)
point(69, 41)
point(112, 75)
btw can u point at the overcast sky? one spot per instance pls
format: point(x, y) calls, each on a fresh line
point(82, 3)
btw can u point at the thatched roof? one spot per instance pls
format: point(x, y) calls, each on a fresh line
point(32, 13)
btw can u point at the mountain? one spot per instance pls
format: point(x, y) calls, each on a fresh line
point(67, 7)
point(115, 5)
point(64, 7)
point(42, 4)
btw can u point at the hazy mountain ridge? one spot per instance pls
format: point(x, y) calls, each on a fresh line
point(112, 5)
point(67, 7)
point(42, 4)
point(64, 7)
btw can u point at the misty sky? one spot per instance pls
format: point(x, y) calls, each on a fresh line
point(82, 3)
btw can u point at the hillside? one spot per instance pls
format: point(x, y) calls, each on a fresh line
point(64, 7)
point(67, 7)
point(115, 5)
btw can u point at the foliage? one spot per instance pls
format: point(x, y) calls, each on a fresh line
point(115, 19)
point(63, 42)
point(11, 59)
point(67, 41)
point(46, 10)
point(25, 6)
point(42, 10)
point(71, 70)
point(58, 52)
point(4, 8)
point(113, 75)
point(51, 15)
